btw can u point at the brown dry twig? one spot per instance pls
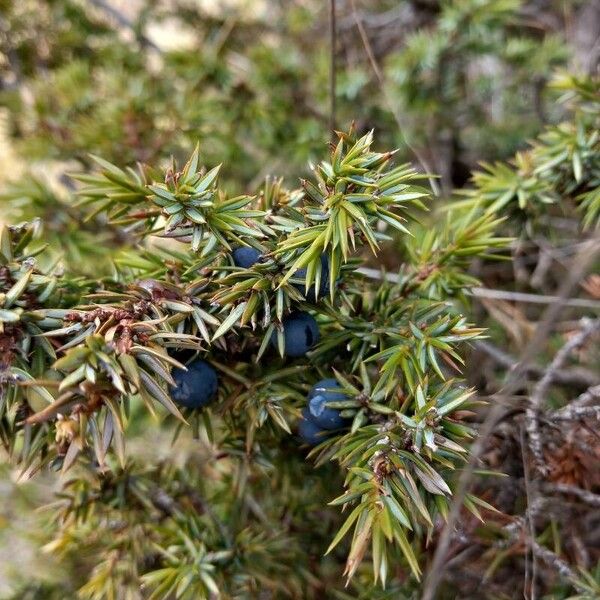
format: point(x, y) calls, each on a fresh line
point(573, 376)
point(575, 413)
point(538, 396)
point(515, 532)
point(591, 394)
point(572, 490)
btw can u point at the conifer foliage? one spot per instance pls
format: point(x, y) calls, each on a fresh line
point(219, 389)
point(242, 350)
point(560, 167)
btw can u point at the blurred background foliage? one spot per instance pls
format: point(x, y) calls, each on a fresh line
point(467, 77)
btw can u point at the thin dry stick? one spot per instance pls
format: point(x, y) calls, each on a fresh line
point(581, 402)
point(481, 292)
point(530, 515)
point(388, 100)
point(332, 70)
point(572, 490)
point(514, 531)
point(540, 391)
point(556, 563)
point(580, 265)
point(575, 376)
point(575, 413)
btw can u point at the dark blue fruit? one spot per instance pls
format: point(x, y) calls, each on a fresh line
point(195, 387)
point(310, 433)
point(300, 332)
point(245, 257)
point(311, 294)
point(320, 394)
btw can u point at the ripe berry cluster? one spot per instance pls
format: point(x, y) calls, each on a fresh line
point(196, 387)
